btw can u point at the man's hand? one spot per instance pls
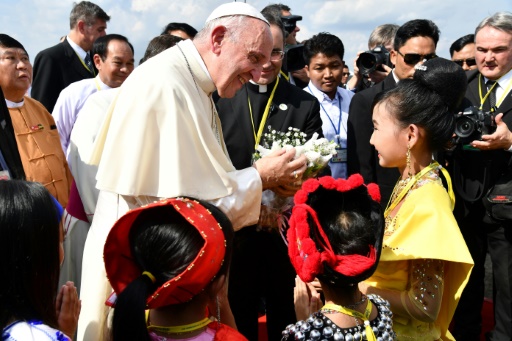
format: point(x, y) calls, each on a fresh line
point(68, 309)
point(378, 76)
point(500, 139)
point(280, 169)
point(357, 77)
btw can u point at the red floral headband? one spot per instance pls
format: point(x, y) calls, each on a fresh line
point(122, 268)
point(306, 258)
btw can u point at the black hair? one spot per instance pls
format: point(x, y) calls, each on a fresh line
point(416, 28)
point(100, 46)
point(88, 12)
point(280, 7)
point(325, 43)
point(273, 17)
point(159, 44)
point(163, 243)
point(9, 42)
point(429, 100)
point(461, 42)
point(29, 253)
point(352, 221)
point(180, 26)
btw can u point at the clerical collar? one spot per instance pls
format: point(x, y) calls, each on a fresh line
point(188, 43)
point(79, 51)
point(262, 88)
point(11, 104)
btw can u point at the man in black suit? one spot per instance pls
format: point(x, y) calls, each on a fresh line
point(415, 42)
point(69, 61)
point(260, 265)
point(477, 167)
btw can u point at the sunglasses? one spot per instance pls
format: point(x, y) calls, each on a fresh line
point(415, 58)
point(469, 62)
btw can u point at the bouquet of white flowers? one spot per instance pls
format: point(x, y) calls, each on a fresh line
point(318, 152)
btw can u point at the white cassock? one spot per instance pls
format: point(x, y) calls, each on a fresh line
point(70, 102)
point(81, 143)
point(164, 140)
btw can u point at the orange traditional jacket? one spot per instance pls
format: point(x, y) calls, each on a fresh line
point(40, 149)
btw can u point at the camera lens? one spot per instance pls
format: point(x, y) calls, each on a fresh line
point(367, 62)
point(464, 127)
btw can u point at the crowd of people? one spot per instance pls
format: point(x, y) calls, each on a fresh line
point(131, 199)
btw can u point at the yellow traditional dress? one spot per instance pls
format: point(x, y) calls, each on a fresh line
point(425, 258)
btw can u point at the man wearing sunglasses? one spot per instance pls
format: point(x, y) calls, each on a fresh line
point(462, 52)
point(415, 42)
point(261, 267)
point(489, 88)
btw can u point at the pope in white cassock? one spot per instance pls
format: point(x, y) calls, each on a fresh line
point(165, 140)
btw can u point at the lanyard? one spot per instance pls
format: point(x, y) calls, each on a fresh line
point(97, 84)
point(365, 317)
point(264, 118)
point(337, 131)
point(188, 328)
point(85, 66)
point(406, 189)
point(502, 97)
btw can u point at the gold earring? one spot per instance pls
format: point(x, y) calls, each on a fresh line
point(408, 161)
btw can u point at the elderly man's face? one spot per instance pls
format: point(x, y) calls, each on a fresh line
point(15, 72)
point(493, 52)
point(242, 60)
point(118, 64)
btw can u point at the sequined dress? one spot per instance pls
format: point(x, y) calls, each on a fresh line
point(32, 331)
point(425, 260)
point(320, 327)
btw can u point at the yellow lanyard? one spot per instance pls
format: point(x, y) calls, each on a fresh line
point(482, 100)
point(370, 336)
point(284, 75)
point(98, 86)
point(188, 328)
point(406, 189)
point(264, 118)
point(85, 66)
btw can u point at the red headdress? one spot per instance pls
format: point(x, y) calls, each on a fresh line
point(308, 257)
point(122, 268)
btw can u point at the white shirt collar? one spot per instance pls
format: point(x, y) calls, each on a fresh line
point(11, 104)
point(79, 51)
point(102, 85)
point(503, 81)
point(322, 96)
point(196, 55)
point(394, 76)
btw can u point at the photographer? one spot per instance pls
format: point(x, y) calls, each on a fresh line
point(477, 167)
point(382, 35)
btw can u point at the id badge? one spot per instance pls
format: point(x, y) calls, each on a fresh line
point(4, 175)
point(340, 156)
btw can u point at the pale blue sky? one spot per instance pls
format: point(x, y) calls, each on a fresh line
point(39, 24)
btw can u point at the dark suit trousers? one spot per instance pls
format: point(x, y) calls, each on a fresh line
point(261, 272)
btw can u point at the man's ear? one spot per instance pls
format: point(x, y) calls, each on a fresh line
point(392, 56)
point(307, 70)
point(217, 38)
point(81, 26)
point(97, 61)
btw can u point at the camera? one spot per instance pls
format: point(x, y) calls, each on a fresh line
point(369, 61)
point(294, 58)
point(290, 22)
point(472, 123)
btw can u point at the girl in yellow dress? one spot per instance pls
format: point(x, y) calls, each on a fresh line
point(425, 263)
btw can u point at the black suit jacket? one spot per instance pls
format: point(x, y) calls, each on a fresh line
point(473, 164)
point(302, 112)
point(54, 69)
point(361, 155)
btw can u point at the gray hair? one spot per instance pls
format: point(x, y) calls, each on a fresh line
point(382, 35)
point(500, 20)
point(88, 12)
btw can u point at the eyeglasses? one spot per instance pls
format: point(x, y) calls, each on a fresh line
point(276, 55)
point(468, 61)
point(415, 58)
